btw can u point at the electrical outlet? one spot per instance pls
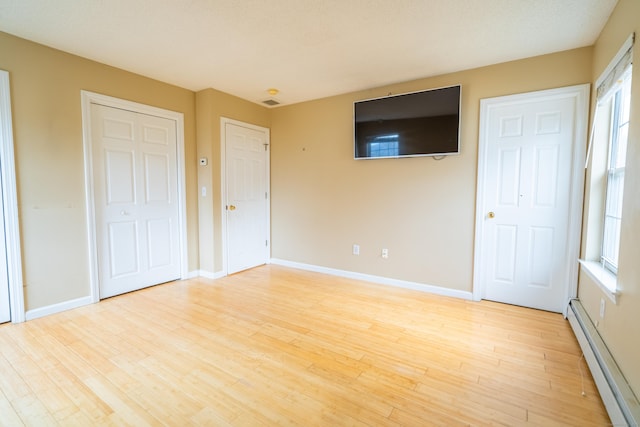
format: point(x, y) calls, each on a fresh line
point(385, 253)
point(602, 307)
point(356, 249)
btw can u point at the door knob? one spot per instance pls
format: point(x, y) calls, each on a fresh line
point(491, 215)
point(232, 208)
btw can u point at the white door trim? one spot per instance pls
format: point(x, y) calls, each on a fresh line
point(10, 203)
point(223, 185)
point(89, 98)
point(581, 95)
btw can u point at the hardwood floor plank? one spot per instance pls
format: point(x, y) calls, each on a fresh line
point(277, 346)
point(126, 409)
point(427, 417)
point(210, 417)
point(9, 417)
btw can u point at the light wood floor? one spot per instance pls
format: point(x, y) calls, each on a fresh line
point(276, 346)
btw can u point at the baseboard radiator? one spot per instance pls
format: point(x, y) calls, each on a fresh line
point(622, 405)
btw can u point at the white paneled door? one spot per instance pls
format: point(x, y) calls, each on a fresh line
point(247, 195)
point(525, 181)
point(136, 199)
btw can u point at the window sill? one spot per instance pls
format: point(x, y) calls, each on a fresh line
point(606, 280)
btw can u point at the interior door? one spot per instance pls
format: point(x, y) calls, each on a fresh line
point(526, 185)
point(136, 199)
point(247, 204)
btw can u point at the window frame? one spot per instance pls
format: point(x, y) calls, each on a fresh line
point(597, 164)
point(614, 185)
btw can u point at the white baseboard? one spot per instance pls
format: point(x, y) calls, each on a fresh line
point(192, 274)
point(621, 404)
point(206, 274)
point(58, 308)
point(438, 290)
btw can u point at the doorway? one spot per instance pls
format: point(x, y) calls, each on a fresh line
point(134, 156)
point(529, 199)
point(246, 198)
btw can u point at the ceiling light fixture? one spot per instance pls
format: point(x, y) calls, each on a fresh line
point(273, 91)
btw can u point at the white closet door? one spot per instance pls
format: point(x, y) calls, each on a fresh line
point(136, 199)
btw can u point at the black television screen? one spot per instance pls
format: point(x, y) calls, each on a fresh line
point(425, 123)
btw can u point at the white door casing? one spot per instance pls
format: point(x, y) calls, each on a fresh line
point(135, 185)
point(245, 195)
point(11, 287)
point(529, 199)
point(5, 307)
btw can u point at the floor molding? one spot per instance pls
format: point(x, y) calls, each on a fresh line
point(438, 290)
point(58, 308)
point(206, 274)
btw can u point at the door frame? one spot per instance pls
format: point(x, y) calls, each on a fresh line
point(87, 99)
point(223, 185)
point(10, 203)
point(580, 93)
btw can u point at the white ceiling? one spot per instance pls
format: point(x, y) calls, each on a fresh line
point(308, 49)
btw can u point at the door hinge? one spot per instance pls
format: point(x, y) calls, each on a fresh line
point(266, 195)
point(266, 243)
point(265, 146)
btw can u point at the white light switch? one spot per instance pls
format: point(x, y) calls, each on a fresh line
point(204, 191)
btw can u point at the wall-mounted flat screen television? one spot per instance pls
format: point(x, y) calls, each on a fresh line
point(425, 123)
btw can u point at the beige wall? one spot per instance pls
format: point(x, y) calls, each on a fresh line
point(620, 327)
point(211, 106)
point(422, 210)
point(47, 119)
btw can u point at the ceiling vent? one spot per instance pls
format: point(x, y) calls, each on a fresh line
point(271, 102)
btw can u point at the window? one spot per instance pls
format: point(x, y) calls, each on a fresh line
point(606, 159)
point(620, 103)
